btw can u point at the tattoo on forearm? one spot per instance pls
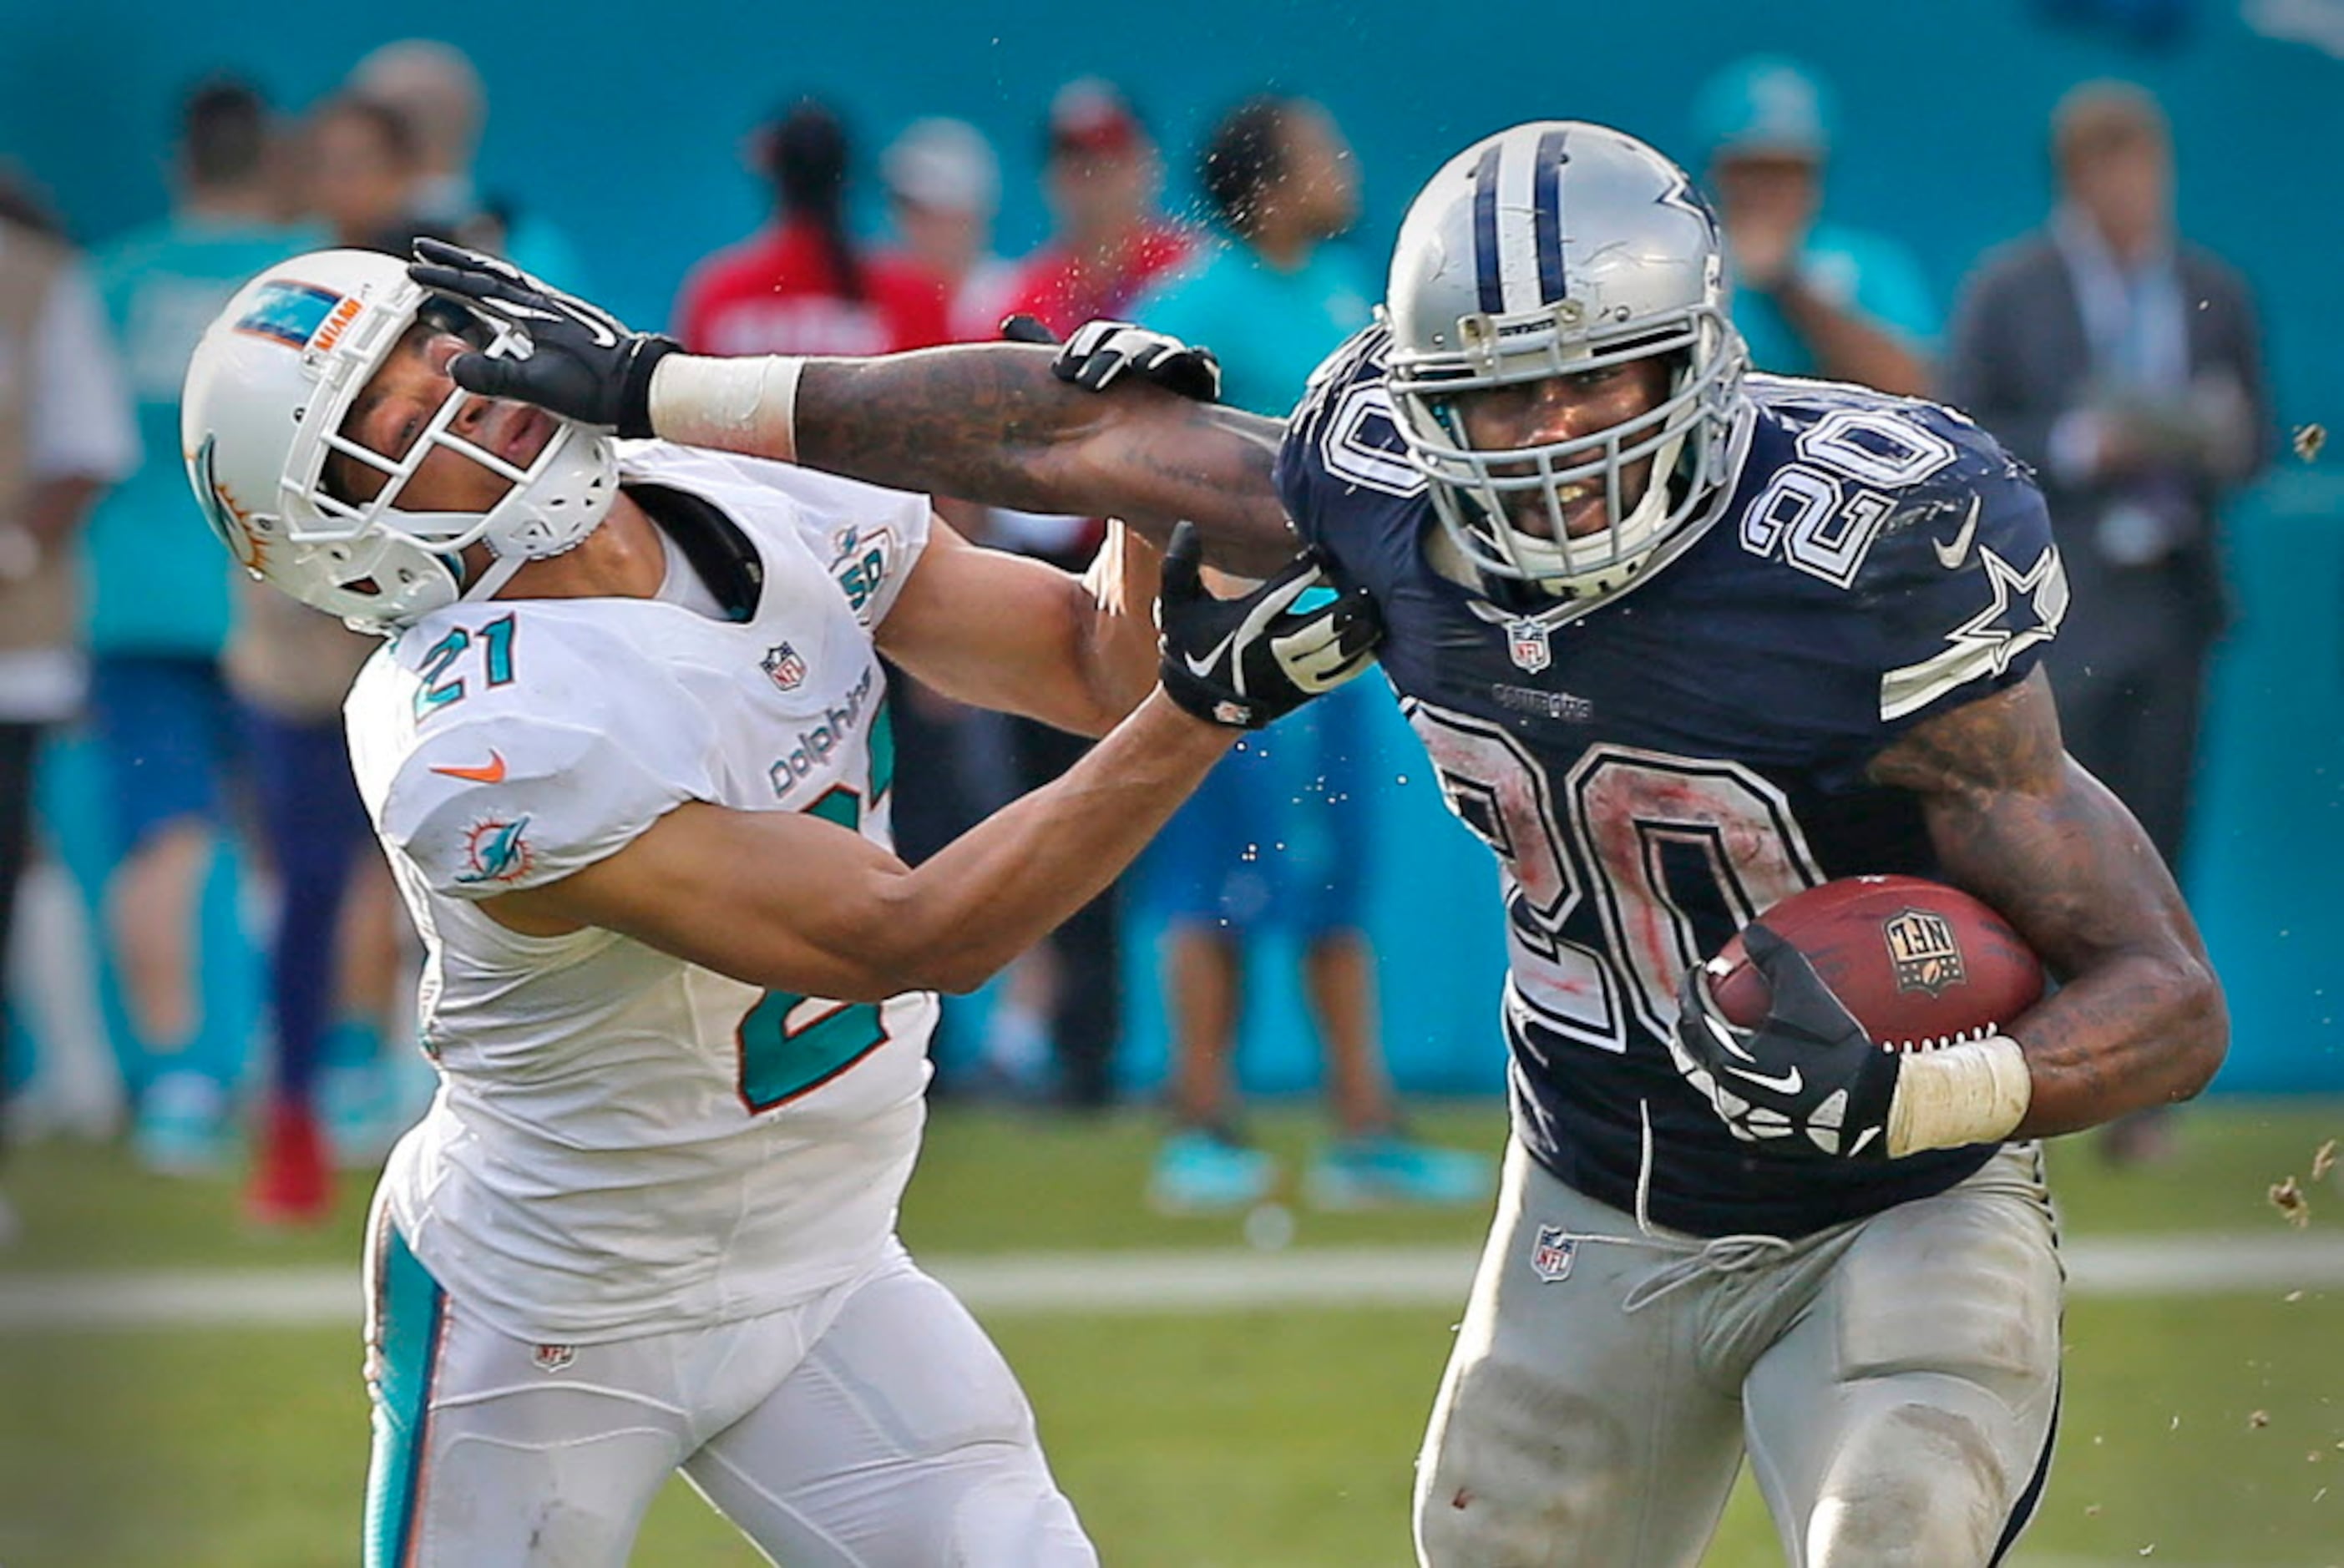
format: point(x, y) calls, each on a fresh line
point(2017, 822)
point(991, 424)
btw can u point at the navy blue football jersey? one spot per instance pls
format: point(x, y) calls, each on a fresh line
point(1652, 772)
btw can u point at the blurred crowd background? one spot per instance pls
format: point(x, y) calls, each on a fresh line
point(200, 914)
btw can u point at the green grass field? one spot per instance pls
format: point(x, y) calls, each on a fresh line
point(2200, 1430)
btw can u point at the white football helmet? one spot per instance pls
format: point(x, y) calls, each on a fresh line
point(267, 391)
point(1554, 249)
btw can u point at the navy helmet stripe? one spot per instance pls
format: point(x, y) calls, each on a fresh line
point(1487, 274)
point(1546, 185)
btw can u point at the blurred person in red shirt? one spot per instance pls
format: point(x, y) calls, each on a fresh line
point(802, 285)
point(1103, 177)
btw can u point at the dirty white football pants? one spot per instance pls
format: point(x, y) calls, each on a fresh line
point(1895, 1381)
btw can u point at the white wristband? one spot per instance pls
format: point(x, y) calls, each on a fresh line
point(747, 405)
point(1976, 1092)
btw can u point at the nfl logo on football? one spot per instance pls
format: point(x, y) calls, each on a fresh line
point(784, 664)
point(1921, 944)
point(1551, 1256)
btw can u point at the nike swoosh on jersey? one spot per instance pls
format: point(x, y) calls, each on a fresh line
point(491, 771)
point(1950, 555)
point(1787, 1084)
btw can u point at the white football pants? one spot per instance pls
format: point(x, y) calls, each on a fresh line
point(876, 1426)
point(1894, 1381)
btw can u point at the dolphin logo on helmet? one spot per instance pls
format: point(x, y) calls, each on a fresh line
point(269, 389)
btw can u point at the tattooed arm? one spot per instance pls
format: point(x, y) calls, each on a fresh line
point(985, 423)
point(990, 423)
point(2139, 1019)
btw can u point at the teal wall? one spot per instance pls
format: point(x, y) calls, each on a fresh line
point(626, 135)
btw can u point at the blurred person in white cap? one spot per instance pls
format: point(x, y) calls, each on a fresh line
point(1810, 297)
point(943, 191)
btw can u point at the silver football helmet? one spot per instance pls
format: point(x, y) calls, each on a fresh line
point(267, 391)
point(1555, 249)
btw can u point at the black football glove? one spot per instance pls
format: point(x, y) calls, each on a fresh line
point(1807, 1081)
point(1248, 661)
point(581, 362)
point(1100, 353)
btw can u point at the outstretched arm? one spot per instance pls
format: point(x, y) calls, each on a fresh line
point(988, 423)
point(789, 901)
point(991, 423)
point(2139, 1019)
point(1018, 635)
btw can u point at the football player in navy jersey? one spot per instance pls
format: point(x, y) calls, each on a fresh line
point(1680, 641)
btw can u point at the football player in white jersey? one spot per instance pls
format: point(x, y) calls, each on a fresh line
point(627, 750)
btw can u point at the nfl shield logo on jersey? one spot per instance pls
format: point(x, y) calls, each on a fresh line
point(784, 665)
point(554, 1358)
point(1551, 1256)
point(1526, 640)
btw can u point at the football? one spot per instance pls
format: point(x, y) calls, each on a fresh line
point(1919, 964)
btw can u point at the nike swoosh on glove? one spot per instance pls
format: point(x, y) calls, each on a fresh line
point(1248, 661)
point(1807, 1081)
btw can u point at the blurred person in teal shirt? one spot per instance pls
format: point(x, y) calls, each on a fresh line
point(1811, 295)
point(157, 620)
point(1279, 836)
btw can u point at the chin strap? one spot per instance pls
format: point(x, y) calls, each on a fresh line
point(493, 580)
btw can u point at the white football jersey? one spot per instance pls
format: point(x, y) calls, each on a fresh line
point(624, 1142)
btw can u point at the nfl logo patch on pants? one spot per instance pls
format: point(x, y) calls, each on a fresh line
point(1552, 1254)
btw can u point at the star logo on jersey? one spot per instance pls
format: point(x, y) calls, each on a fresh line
point(786, 666)
point(2027, 608)
point(496, 852)
point(1553, 1253)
